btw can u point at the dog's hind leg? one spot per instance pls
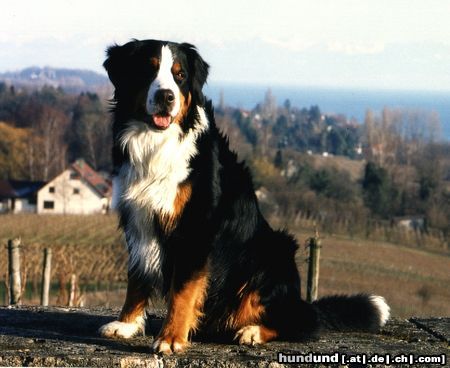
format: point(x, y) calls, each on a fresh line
point(131, 320)
point(281, 315)
point(247, 320)
point(255, 335)
point(273, 307)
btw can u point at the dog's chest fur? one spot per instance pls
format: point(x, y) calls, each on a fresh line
point(148, 186)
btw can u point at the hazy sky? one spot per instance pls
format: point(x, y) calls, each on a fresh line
point(401, 44)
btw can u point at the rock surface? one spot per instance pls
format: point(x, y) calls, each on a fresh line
point(37, 336)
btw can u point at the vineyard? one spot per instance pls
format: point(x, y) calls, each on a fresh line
point(413, 280)
point(90, 247)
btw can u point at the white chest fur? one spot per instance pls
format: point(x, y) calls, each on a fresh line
point(159, 162)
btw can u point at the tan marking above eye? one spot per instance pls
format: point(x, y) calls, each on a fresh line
point(155, 61)
point(176, 68)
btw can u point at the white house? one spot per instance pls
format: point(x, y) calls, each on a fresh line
point(77, 190)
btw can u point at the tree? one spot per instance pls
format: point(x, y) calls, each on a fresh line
point(269, 106)
point(46, 148)
point(278, 160)
point(378, 194)
point(398, 135)
point(90, 136)
point(13, 158)
point(336, 143)
point(320, 181)
point(314, 114)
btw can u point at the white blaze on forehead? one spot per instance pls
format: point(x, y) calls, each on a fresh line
point(164, 80)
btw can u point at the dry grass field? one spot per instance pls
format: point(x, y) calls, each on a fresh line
point(91, 247)
point(415, 282)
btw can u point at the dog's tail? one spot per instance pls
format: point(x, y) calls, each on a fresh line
point(359, 312)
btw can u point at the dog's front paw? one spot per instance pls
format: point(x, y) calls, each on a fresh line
point(249, 335)
point(117, 329)
point(169, 344)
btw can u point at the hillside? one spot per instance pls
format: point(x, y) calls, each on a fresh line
point(70, 80)
point(355, 168)
point(322, 165)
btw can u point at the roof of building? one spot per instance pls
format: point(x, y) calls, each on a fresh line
point(19, 188)
point(93, 178)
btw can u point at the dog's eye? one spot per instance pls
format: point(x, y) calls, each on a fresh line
point(180, 76)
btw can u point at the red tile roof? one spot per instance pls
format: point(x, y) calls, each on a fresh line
point(94, 179)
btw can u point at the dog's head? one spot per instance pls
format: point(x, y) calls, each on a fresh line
point(156, 81)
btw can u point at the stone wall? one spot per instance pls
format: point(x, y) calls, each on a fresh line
point(36, 336)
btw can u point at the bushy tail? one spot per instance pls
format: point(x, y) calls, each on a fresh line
point(359, 312)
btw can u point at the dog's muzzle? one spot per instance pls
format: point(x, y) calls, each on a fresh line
point(164, 101)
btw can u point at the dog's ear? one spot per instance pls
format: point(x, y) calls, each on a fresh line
point(198, 71)
point(117, 62)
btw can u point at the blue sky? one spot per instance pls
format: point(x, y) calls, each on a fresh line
point(393, 44)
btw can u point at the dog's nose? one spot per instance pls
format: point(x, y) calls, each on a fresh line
point(164, 97)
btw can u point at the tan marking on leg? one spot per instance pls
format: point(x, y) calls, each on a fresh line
point(135, 303)
point(184, 311)
point(131, 320)
point(267, 334)
point(249, 311)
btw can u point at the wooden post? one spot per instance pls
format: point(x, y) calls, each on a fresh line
point(46, 272)
point(73, 290)
point(313, 268)
point(15, 286)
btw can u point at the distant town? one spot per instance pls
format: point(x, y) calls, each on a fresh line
point(392, 167)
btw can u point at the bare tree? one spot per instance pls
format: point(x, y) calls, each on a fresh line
point(46, 146)
point(399, 135)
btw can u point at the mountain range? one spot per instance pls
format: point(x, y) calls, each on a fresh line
point(70, 80)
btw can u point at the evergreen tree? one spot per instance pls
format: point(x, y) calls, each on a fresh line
point(278, 161)
point(378, 193)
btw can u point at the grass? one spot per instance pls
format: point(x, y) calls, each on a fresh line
point(413, 281)
point(60, 229)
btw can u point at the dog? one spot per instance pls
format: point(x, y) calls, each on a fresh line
point(193, 228)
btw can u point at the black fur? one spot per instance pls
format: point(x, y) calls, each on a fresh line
point(222, 224)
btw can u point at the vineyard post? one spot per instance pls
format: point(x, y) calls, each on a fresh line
point(73, 290)
point(46, 272)
point(14, 271)
point(312, 289)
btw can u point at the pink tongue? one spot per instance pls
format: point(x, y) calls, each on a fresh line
point(161, 121)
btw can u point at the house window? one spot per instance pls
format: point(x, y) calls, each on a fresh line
point(51, 189)
point(76, 190)
point(49, 205)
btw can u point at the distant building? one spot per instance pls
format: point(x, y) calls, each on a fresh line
point(77, 190)
point(19, 196)
point(410, 222)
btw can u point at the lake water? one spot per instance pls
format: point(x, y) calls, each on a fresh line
point(350, 102)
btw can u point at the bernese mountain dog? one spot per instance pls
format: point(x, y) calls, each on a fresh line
point(193, 228)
